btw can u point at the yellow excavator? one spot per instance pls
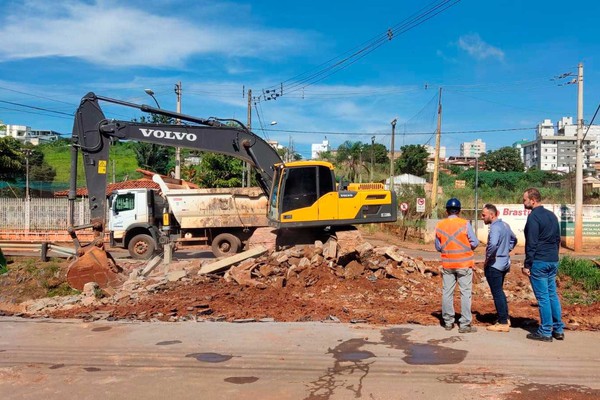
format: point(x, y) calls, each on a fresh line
point(302, 194)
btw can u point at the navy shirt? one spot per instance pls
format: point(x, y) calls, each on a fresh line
point(542, 236)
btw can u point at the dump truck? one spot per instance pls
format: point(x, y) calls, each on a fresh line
point(144, 220)
point(301, 194)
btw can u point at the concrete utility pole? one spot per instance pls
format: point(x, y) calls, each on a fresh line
point(392, 155)
point(178, 149)
point(578, 240)
point(436, 162)
point(372, 156)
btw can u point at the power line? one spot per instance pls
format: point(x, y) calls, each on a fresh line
point(343, 61)
point(407, 133)
point(36, 108)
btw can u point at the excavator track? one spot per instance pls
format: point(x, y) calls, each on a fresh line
point(94, 265)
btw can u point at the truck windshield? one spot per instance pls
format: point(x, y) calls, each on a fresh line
point(124, 202)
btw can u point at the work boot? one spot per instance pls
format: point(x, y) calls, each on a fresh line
point(467, 329)
point(449, 327)
point(541, 338)
point(498, 327)
point(558, 336)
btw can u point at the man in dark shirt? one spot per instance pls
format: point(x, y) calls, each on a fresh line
point(542, 241)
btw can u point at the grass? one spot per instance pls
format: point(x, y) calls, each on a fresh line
point(581, 271)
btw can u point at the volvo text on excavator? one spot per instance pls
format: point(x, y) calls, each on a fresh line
point(302, 194)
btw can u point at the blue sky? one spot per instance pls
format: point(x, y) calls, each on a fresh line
point(493, 59)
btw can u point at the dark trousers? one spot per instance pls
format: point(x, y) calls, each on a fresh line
point(495, 279)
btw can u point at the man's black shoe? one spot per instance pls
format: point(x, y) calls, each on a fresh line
point(541, 338)
point(558, 336)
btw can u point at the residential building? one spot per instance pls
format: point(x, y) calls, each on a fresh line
point(431, 158)
point(27, 135)
point(554, 148)
point(317, 148)
point(472, 149)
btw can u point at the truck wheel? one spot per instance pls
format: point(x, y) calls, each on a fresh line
point(226, 244)
point(141, 247)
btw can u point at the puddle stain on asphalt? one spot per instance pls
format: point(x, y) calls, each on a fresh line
point(349, 358)
point(56, 366)
point(241, 380)
point(92, 369)
point(430, 353)
point(476, 378)
point(209, 357)
point(101, 329)
point(168, 342)
point(538, 391)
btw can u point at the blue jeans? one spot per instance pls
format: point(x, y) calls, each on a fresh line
point(543, 283)
point(495, 280)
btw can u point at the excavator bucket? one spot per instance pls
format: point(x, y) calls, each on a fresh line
point(94, 265)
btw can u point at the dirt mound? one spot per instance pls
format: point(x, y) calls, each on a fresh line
point(320, 282)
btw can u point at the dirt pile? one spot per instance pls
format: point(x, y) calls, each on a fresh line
point(325, 282)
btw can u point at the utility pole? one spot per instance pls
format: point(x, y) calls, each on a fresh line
point(578, 240)
point(178, 149)
point(360, 166)
point(247, 168)
point(436, 162)
point(475, 219)
point(372, 156)
point(392, 155)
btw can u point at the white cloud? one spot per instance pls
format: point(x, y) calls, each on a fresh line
point(111, 34)
point(477, 48)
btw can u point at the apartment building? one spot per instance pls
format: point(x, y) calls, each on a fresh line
point(554, 147)
point(472, 149)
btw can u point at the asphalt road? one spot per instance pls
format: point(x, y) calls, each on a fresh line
point(52, 359)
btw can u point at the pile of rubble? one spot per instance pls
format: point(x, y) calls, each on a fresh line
point(298, 266)
point(294, 266)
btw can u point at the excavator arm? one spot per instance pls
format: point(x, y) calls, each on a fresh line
point(92, 135)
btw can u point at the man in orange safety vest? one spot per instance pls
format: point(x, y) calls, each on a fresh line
point(456, 240)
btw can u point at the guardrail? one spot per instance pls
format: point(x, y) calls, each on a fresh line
point(44, 250)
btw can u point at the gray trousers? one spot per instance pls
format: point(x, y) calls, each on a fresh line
point(464, 277)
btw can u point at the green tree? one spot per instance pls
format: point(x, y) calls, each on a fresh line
point(155, 157)
point(412, 160)
point(11, 159)
point(218, 170)
point(349, 156)
point(505, 159)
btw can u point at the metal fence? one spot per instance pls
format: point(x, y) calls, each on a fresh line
point(40, 214)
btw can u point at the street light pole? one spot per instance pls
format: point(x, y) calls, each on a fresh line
point(178, 149)
point(150, 93)
point(27, 153)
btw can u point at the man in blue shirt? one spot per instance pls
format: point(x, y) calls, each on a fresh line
point(542, 242)
point(501, 240)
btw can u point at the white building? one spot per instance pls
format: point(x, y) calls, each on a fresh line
point(472, 149)
point(27, 135)
point(317, 148)
point(554, 147)
point(431, 150)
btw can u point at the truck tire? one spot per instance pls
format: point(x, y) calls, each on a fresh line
point(141, 247)
point(226, 244)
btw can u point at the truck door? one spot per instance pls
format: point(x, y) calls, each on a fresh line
point(127, 208)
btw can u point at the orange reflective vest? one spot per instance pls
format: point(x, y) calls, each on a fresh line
point(455, 246)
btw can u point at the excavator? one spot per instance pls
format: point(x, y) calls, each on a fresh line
point(302, 194)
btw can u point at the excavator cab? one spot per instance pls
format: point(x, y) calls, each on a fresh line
point(304, 194)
